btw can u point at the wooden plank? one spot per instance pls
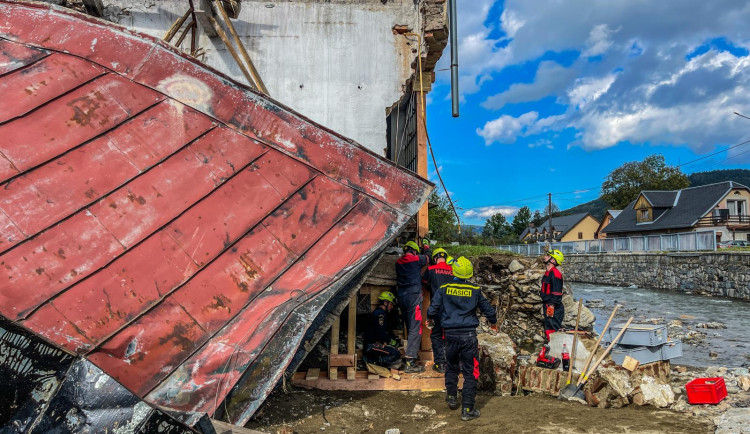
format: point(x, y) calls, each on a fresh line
point(228, 428)
point(423, 381)
point(342, 360)
point(312, 374)
point(351, 373)
point(422, 215)
point(333, 374)
point(351, 331)
point(203, 13)
point(630, 363)
point(378, 370)
point(373, 376)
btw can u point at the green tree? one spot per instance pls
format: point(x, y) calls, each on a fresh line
point(496, 229)
point(537, 218)
point(521, 220)
point(624, 183)
point(443, 225)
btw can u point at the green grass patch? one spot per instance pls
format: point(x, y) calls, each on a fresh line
point(468, 251)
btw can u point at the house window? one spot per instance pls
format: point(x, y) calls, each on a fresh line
point(644, 214)
point(737, 207)
point(611, 219)
point(580, 235)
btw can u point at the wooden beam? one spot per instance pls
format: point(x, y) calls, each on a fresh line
point(176, 26)
point(232, 51)
point(426, 333)
point(342, 360)
point(312, 374)
point(422, 215)
point(351, 329)
point(334, 351)
point(423, 381)
point(257, 81)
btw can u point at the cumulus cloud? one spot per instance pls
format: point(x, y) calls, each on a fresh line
point(506, 129)
point(642, 75)
point(486, 212)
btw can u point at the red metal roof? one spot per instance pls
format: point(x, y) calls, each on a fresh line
point(172, 225)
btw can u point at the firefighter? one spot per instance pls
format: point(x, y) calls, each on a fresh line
point(380, 342)
point(456, 305)
point(436, 276)
point(409, 284)
point(552, 292)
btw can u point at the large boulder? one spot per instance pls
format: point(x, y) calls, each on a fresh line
point(734, 421)
point(571, 310)
point(497, 363)
point(515, 266)
point(656, 393)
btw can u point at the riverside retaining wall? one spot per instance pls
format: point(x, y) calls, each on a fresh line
point(721, 274)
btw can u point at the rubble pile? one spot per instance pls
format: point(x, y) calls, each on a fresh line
point(512, 285)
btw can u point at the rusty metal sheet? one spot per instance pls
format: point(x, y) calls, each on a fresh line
point(174, 228)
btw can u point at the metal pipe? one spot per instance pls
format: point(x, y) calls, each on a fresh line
point(454, 55)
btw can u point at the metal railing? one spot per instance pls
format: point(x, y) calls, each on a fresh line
point(680, 242)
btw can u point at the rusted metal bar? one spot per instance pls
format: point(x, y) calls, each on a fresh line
point(254, 72)
point(217, 28)
point(176, 26)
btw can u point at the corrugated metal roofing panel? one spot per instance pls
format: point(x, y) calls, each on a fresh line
point(173, 227)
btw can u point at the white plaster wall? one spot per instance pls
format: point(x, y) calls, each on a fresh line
point(338, 63)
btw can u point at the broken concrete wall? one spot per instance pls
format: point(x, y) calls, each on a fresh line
point(341, 63)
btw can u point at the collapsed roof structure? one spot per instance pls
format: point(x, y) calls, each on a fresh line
point(165, 224)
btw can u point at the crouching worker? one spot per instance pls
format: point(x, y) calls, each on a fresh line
point(380, 342)
point(456, 304)
point(552, 292)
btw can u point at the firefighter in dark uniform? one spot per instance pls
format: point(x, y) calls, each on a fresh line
point(436, 276)
point(552, 292)
point(380, 342)
point(456, 304)
point(409, 284)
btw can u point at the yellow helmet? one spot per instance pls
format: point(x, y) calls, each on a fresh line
point(557, 256)
point(411, 245)
point(387, 296)
point(462, 268)
point(439, 251)
point(450, 260)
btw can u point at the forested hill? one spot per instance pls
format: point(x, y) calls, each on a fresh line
point(702, 178)
point(598, 207)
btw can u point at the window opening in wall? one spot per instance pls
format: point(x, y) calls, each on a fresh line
point(737, 207)
point(580, 235)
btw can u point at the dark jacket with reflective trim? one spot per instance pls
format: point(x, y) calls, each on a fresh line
point(438, 275)
point(377, 329)
point(409, 272)
point(456, 304)
point(552, 286)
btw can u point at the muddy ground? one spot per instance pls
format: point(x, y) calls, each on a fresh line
point(302, 411)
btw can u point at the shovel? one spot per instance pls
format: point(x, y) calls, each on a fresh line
point(569, 389)
point(575, 343)
point(575, 393)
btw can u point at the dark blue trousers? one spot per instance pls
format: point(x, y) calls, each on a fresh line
point(462, 355)
point(438, 344)
point(411, 307)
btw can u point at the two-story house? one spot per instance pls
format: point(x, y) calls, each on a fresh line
point(722, 207)
point(572, 227)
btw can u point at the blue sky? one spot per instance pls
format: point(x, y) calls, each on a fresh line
point(557, 94)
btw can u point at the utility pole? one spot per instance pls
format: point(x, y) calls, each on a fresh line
point(549, 218)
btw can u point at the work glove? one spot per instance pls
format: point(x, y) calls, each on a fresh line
point(493, 328)
point(430, 323)
point(393, 343)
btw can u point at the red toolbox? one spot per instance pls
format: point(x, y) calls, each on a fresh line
point(706, 390)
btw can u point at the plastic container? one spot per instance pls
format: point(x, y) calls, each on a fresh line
point(706, 390)
point(643, 354)
point(639, 335)
point(671, 350)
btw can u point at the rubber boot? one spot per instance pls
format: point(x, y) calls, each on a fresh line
point(469, 414)
point(412, 367)
point(452, 401)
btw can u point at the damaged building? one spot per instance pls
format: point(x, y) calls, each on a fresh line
point(182, 222)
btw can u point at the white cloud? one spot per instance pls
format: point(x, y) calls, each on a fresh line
point(506, 129)
point(636, 79)
point(598, 42)
point(486, 212)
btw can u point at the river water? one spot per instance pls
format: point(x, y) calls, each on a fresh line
point(731, 344)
